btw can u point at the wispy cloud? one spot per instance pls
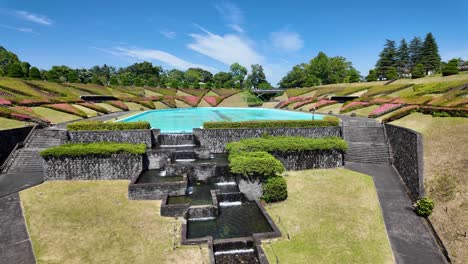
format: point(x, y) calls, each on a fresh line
point(35, 18)
point(232, 14)
point(287, 41)
point(236, 28)
point(168, 34)
point(227, 49)
point(158, 55)
point(21, 29)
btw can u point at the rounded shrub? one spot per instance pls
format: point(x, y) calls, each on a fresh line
point(275, 189)
point(424, 207)
point(256, 163)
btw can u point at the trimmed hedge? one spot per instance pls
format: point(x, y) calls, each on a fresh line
point(444, 112)
point(99, 149)
point(400, 113)
point(257, 163)
point(275, 189)
point(287, 144)
point(326, 122)
point(98, 125)
point(424, 207)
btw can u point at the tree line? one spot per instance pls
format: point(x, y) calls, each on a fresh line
point(137, 74)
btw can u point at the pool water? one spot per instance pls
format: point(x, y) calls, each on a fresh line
point(183, 120)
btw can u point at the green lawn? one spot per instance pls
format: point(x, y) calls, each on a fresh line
point(109, 107)
point(335, 108)
point(364, 112)
point(237, 100)
point(331, 216)
point(6, 123)
point(94, 222)
point(135, 106)
point(54, 116)
point(89, 112)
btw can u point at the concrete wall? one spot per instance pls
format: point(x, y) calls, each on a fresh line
point(135, 136)
point(305, 160)
point(116, 166)
point(155, 191)
point(9, 138)
point(215, 140)
point(406, 147)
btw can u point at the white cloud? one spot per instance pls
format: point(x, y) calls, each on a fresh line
point(21, 29)
point(230, 12)
point(159, 55)
point(227, 49)
point(168, 34)
point(39, 19)
point(236, 28)
point(287, 41)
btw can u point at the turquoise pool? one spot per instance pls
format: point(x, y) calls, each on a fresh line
point(183, 120)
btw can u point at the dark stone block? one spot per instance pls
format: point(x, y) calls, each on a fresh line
point(135, 136)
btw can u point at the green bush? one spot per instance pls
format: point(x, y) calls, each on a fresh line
point(327, 121)
point(251, 99)
point(275, 189)
point(257, 163)
point(444, 112)
point(98, 125)
point(418, 72)
point(99, 149)
point(424, 207)
point(287, 144)
point(451, 68)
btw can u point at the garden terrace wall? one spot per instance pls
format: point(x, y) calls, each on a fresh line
point(173, 210)
point(407, 151)
point(11, 137)
point(113, 167)
point(155, 191)
point(215, 140)
point(314, 159)
point(135, 136)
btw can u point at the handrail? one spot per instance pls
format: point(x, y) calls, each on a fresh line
point(16, 147)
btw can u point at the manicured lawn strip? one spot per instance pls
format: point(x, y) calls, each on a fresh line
point(363, 111)
point(327, 121)
point(66, 108)
point(98, 125)
point(352, 89)
point(100, 148)
point(385, 89)
point(6, 123)
point(194, 92)
point(225, 92)
point(429, 88)
point(18, 86)
point(327, 90)
point(89, 112)
point(95, 107)
point(109, 107)
point(163, 91)
point(135, 106)
point(298, 91)
point(94, 222)
point(54, 116)
point(330, 216)
point(118, 104)
point(287, 144)
point(238, 100)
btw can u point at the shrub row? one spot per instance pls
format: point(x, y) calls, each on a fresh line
point(118, 104)
point(287, 144)
point(275, 189)
point(256, 163)
point(444, 112)
point(98, 125)
point(402, 112)
point(326, 122)
point(66, 108)
point(99, 149)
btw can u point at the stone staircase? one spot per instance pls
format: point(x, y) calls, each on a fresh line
point(366, 141)
point(27, 159)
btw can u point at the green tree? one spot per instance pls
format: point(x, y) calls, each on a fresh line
point(338, 70)
point(139, 82)
point(223, 80)
point(392, 73)
point(372, 76)
point(387, 58)
point(257, 77)
point(414, 51)
point(34, 74)
point(238, 73)
point(403, 58)
point(430, 54)
point(297, 77)
point(25, 68)
point(174, 78)
point(6, 58)
point(418, 71)
point(451, 68)
point(72, 77)
point(353, 75)
point(192, 77)
point(126, 78)
point(114, 80)
point(318, 70)
point(14, 70)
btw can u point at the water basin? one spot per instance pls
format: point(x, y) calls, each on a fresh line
point(156, 176)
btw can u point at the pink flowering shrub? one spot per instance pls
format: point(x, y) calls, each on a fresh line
point(213, 100)
point(353, 106)
point(322, 103)
point(34, 102)
point(66, 108)
point(20, 117)
point(384, 109)
point(191, 100)
point(169, 101)
point(118, 104)
point(291, 100)
point(402, 112)
point(304, 102)
point(4, 102)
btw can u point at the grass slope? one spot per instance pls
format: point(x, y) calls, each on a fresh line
point(6, 123)
point(445, 176)
point(94, 222)
point(54, 116)
point(331, 216)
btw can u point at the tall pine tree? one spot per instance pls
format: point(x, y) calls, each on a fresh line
point(403, 58)
point(387, 58)
point(430, 54)
point(414, 50)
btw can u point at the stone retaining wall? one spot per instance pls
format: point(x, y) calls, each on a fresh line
point(406, 147)
point(135, 136)
point(9, 138)
point(215, 140)
point(116, 166)
point(305, 160)
point(173, 210)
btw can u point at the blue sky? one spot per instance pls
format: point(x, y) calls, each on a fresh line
point(214, 34)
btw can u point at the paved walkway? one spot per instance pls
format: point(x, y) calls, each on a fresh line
point(410, 236)
point(15, 246)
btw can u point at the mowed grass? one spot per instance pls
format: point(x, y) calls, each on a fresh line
point(237, 100)
point(445, 176)
point(94, 222)
point(6, 123)
point(331, 216)
point(54, 116)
